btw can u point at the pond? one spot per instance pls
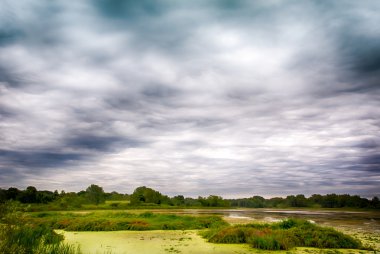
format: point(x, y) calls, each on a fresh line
point(366, 220)
point(363, 225)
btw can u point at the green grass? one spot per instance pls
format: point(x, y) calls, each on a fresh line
point(283, 236)
point(112, 221)
point(17, 235)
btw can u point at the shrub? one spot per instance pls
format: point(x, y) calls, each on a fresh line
point(17, 236)
point(146, 215)
point(229, 235)
point(108, 221)
point(283, 236)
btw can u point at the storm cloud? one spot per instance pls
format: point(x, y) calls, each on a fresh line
point(234, 98)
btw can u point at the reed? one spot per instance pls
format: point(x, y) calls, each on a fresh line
point(283, 236)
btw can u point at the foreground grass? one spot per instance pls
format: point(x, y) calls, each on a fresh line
point(112, 221)
point(17, 235)
point(27, 239)
point(283, 236)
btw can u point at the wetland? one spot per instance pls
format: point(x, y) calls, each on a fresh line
point(362, 225)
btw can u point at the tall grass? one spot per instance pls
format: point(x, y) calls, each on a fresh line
point(111, 221)
point(283, 236)
point(19, 236)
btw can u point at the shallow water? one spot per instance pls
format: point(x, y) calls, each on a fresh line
point(363, 225)
point(366, 220)
point(150, 242)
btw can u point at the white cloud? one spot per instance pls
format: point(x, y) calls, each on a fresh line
point(256, 102)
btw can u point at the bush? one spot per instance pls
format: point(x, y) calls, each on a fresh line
point(17, 236)
point(324, 238)
point(147, 215)
point(109, 221)
point(229, 235)
point(283, 236)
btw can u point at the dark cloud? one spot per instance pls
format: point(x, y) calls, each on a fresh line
point(8, 37)
point(37, 159)
point(365, 54)
point(118, 9)
point(369, 143)
point(6, 112)
point(102, 143)
point(372, 160)
point(9, 77)
point(204, 97)
point(159, 92)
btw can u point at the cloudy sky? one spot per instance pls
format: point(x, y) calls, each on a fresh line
point(233, 98)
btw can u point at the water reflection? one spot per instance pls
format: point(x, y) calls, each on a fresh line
point(369, 221)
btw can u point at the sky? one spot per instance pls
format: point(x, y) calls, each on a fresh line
point(231, 98)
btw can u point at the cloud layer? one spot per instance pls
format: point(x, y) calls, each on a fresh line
point(235, 98)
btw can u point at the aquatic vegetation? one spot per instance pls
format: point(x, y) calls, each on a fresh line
point(283, 235)
point(111, 221)
point(17, 235)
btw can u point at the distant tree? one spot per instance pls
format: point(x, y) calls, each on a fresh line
point(116, 196)
point(178, 200)
point(316, 200)
point(330, 201)
point(29, 195)
point(13, 193)
point(257, 202)
point(82, 193)
point(375, 202)
point(71, 199)
point(275, 202)
point(213, 201)
point(3, 195)
point(291, 201)
point(300, 201)
point(144, 194)
point(45, 197)
point(218, 201)
point(203, 201)
point(360, 202)
point(192, 202)
point(95, 194)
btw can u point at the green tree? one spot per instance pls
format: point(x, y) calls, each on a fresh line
point(301, 200)
point(213, 201)
point(3, 195)
point(95, 194)
point(291, 201)
point(375, 202)
point(13, 193)
point(29, 195)
point(147, 195)
point(257, 202)
point(178, 200)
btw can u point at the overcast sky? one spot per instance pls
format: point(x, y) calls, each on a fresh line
point(228, 97)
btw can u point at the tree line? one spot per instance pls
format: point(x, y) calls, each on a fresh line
point(145, 196)
point(314, 201)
